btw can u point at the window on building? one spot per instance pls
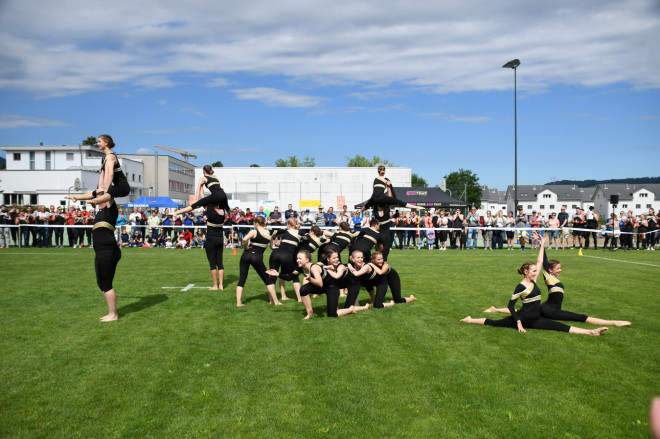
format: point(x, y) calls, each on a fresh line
point(17, 156)
point(139, 178)
point(615, 206)
point(547, 196)
point(181, 170)
point(542, 206)
point(643, 195)
point(648, 206)
point(69, 156)
point(140, 192)
point(638, 206)
point(529, 206)
point(33, 199)
point(32, 160)
point(574, 206)
point(6, 199)
point(47, 160)
point(625, 206)
point(133, 177)
point(552, 206)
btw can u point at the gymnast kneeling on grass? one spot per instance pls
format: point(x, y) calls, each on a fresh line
point(529, 316)
point(551, 308)
point(320, 279)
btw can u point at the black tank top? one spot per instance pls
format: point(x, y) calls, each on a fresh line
point(259, 243)
point(117, 174)
point(213, 184)
point(103, 231)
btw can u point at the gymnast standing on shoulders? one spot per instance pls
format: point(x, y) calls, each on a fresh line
point(529, 316)
point(551, 308)
point(383, 194)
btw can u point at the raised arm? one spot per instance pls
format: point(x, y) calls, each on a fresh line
point(540, 258)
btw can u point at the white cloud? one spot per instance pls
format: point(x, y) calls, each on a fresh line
point(438, 47)
point(18, 121)
point(144, 151)
point(274, 97)
point(455, 118)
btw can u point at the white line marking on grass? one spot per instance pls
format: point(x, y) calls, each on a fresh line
point(186, 288)
point(619, 260)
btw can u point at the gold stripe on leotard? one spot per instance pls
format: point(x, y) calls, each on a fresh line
point(343, 238)
point(104, 224)
point(384, 186)
point(371, 238)
point(257, 244)
point(288, 241)
point(524, 293)
point(549, 278)
point(212, 183)
point(555, 290)
point(532, 299)
point(214, 225)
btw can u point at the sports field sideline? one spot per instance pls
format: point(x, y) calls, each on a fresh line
point(183, 361)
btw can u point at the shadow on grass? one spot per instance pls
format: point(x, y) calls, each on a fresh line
point(143, 303)
point(229, 279)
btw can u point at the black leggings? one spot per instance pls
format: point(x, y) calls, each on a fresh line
point(287, 262)
point(383, 200)
point(388, 239)
point(537, 323)
point(392, 280)
point(105, 264)
point(121, 189)
point(213, 247)
point(331, 296)
point(218, 198)
point(554, 312)
point(256, 259)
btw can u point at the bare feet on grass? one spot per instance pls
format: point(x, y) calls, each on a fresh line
point(216, 288)
point(491, 309)
point(309, 316)
point(109, 318)
point(238, 305)
point(411, 298)
point(597, 331)
point(621, 323)
point(467, 319)
point(388, 304)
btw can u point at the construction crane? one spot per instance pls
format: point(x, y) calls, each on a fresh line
point(178, 151)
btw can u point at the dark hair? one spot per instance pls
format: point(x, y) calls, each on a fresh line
point(552, 263)
point(374, 254)
point(525, 267)
point(307, 254)
point(260, 220)
point(344, 226)
point(373, 222)
point(381, 167)
point(329, 252)
point(316, 230)
point(208, 169)
point(108, 140)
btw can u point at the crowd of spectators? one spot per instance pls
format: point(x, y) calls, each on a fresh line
point(437, 229)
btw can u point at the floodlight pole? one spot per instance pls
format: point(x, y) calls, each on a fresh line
point(513, 64)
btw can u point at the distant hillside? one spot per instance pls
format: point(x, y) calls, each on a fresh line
point(592, 183)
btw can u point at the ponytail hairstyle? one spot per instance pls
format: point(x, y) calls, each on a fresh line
point(344, 226)
point(260, 220)
point(524, 268)
point(208, 169)
point(381, 168)
point(552, 263)
point(108, 140)
point(374, 255)
point(292, 223)
point(316, 230)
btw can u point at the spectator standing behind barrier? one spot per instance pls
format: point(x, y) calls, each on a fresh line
point(249, 217)
point(13, 215)
point(30, 219)
point(319, 219)
point(275, 217)
point(487, 233)
point(166, 223)
point(154, 219)
point(344, 215)
point(330, 218)
point(290, 213)
point(592, 224)
point(5, 220)
point(563, 224)
point(553, 223)
point(57, 219)
point(641, 227)
point(631, 221)
point(498, 235)
point(121, 218)
point(510, 223)
point(578, 226)
point(89, 221)
point(307, 221)
point(133, 218)
point(612, 224)
point(535, 223)
point(473, 231)
point(261, 213)
point(356, 221)
point(653, 230)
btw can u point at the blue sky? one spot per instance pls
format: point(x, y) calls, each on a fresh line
point(419, 83)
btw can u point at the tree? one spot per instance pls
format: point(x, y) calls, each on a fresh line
point(217, 164)
point(362, 162)
point(418, 181)
point(254, 165)
point(457, 182)
point(293, 162)
point(91, 141)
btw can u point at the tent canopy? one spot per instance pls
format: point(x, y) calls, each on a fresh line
point(427, 197)
point(153, 202)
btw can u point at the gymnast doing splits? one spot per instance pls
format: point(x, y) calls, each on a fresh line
point(218, 196)
point(320, 279)
point(383, 194)
point(254, 245)
point(529, 316)
point(113, 183)
point(551, 308)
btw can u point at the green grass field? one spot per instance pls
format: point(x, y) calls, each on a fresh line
point(190, 364)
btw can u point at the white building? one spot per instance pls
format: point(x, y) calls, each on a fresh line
point(493, 200)
point(46, 174)
point(550, 198)
point(638, 198)
point(302, 187)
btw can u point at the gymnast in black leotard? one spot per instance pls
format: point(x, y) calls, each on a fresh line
point(393, 280)
point(321, 280)
point(214, 245)
point(218, 196)
point(113, 183)
point(340, 239)
point(529, 316)
point(282, 261)
point(551, 308)
point(253, 254)
point(383, 193)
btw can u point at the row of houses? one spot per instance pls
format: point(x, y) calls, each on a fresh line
point(550, 198)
